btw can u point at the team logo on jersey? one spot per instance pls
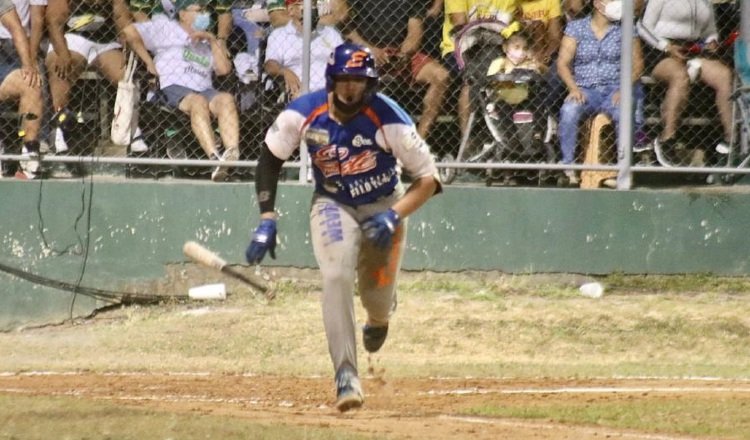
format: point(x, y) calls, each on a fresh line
point(360, 141)
point(316, 137)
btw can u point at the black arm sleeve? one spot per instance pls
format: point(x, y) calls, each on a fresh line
point(267, 179)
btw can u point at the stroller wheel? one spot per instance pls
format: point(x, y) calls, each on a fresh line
point(447, 175)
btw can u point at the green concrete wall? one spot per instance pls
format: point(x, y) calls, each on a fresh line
point(138, 226)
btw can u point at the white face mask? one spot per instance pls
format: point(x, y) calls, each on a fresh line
point(613, 10)
point(516, 55)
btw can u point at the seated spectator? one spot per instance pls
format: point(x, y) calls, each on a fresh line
point(668, 28)
point(90, 40)
point(185, 58)
point(393, 30)
point(459, 13)
point(220, 10)
point(284, 50)
point(589, 65)
point(20, 81)
point(517, 55)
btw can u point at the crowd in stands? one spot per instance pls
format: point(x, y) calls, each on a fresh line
point(188, 46)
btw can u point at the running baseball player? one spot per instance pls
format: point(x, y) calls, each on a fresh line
point(357, 139)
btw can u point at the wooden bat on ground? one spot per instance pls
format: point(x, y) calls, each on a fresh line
point(205, 257)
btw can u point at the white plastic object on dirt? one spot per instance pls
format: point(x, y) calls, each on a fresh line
point(208, 291)
point(592, 290)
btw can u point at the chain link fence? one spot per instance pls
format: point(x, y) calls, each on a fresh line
point(480, 79)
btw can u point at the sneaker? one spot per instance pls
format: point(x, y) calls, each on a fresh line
point(348, 389)
point(665, 151)
point(572, 177)
point(221, 173)
point(373, 337)
point(30, 168)
point(723, 147)
point(138, 145)
point(60, 145)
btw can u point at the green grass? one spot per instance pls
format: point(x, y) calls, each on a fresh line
point(697, 416)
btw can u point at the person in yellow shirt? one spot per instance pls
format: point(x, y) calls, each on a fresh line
point(459, 13)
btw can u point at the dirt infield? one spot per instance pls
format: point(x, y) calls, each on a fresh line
point(395, 409)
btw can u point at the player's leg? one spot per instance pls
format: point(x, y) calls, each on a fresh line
point(378, 273)
point(336, 239)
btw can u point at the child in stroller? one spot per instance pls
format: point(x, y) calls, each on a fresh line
point(506, 83)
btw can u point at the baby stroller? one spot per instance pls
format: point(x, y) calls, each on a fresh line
point(508, 121)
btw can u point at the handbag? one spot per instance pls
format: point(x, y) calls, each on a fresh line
point(125, 120)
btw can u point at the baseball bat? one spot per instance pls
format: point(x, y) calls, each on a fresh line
point(205, 257)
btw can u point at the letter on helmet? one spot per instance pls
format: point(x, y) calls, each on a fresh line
point(354, 60)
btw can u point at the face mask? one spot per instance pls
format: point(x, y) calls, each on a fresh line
point(516, 55)
point(202, 21)
point(613, 10)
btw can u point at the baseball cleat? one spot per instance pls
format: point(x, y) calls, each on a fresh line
point(348, 389)
point(373, 337)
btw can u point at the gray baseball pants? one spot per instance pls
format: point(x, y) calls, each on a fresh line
point(345, 257)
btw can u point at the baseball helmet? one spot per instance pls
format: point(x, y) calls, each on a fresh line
point(354, 60)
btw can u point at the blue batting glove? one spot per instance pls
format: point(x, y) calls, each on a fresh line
point(264, 240)
point(379, 228)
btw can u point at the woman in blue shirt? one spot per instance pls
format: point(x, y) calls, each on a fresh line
point(589, 66)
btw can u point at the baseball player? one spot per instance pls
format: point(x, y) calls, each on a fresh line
point(357, 139)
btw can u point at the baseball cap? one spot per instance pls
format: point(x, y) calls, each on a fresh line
point(184, 4)
point(291, 2)
point(275, 5)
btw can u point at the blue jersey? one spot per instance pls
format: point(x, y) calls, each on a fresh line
point(357, 162)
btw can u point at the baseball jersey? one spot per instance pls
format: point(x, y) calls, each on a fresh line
point(178, 60)
point(357, 162)
point(474, 10)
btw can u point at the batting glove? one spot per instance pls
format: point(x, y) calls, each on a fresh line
point(264, 240)
point(379, 228)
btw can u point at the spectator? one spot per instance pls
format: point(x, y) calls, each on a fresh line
point(185, 58)
point(91, 40)
point(284, 50)
point(589, 65)
point(668, 28)
point(220, 10)
point(20, 80)
point(459, 13)
point(393, 31)
point(253, 17)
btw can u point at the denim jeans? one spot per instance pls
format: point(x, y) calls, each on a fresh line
point(598, 100)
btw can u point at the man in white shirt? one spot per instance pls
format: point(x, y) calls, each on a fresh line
point(185, 58)
point(284, 49)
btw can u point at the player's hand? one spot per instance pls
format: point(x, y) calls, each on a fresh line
point(379, 228)
point(264, 240)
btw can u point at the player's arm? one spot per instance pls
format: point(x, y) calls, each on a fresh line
point(414, 154)
point(282, 139)
point(418, 193)
point(267, 182)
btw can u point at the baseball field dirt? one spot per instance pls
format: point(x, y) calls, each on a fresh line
point(471, 356)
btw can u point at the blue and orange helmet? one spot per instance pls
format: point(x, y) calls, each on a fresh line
point(353, 60)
